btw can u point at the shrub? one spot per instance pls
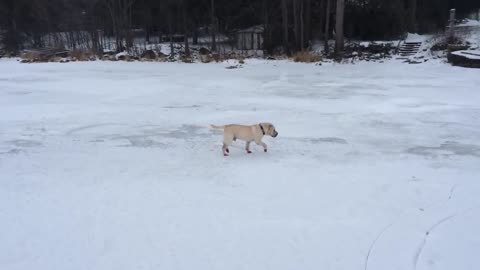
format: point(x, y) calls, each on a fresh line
point(306, 57)
point(82, 55)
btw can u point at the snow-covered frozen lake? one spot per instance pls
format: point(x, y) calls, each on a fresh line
point(112, 166)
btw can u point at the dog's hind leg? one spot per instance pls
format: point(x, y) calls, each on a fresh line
point(247, 148)
point(225, 150)
point(227, 140)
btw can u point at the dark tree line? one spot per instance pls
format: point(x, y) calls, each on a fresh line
point(288, 24)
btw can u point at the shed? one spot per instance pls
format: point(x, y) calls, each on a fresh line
point(250, 38)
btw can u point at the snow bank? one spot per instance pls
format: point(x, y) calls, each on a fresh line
point(470, 54)
point(412, 37)
point(468, 23)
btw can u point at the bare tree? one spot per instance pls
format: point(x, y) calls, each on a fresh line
point(214, 24)
point(185, 27)
point(296, 24)
point(308, 20)
point(285, 25)
point(9, 14)
point(412, 15)
point(327, 25)
point(120, 13)
point(302, 26)
point(88, 24)
point(339, 38)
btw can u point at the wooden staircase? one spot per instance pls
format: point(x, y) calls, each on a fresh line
point(408, 49)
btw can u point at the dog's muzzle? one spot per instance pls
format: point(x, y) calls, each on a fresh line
point(275, 134)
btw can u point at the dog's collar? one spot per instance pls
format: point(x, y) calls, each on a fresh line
point(263, 131)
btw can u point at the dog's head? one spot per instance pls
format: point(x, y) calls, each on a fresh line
point(269, 129)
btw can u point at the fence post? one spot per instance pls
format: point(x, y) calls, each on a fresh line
point(451, 34)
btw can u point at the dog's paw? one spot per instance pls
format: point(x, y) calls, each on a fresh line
point(265, 150)
point(249, 152)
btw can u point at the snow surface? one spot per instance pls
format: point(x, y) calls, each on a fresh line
point(412, 37)
point(110, 165)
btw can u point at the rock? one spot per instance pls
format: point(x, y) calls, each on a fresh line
point(205, 58)
point(457, 47)
point(469, 59)
point(108, 57)
point(233, 67)
point(149, 55)
point(62, 54)
point(204, 51)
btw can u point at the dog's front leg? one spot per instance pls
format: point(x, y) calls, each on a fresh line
point(262, 144)
point(247, 148)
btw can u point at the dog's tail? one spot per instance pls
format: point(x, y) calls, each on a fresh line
point(217, 127)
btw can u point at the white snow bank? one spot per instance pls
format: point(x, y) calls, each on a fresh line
point(412, 37)
point(120, 54)
point(470, 54)
point(468, 23)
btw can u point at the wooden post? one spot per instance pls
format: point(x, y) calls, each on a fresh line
point(451, 31)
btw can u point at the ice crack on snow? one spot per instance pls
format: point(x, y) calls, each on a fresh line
point(373, 244)
point(425, 239)
point(449, 148)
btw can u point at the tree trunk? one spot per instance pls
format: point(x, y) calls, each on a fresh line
point(339, 39)
point(285, 25)
point(195, 33)
point(412, 16)
point(170, 34)
point(128, 27)
point(327, 25)
point(185, 27)
point(308, 20)
point(266, 27)
point(214, 25)
point(296, 24)
point(302, 28)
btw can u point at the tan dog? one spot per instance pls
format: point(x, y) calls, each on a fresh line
point(253, 133)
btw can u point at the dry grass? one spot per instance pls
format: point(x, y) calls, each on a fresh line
point(306, 57)
point(218, 57)
point(31, 56)
point(240, 59)
point(82, 55)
